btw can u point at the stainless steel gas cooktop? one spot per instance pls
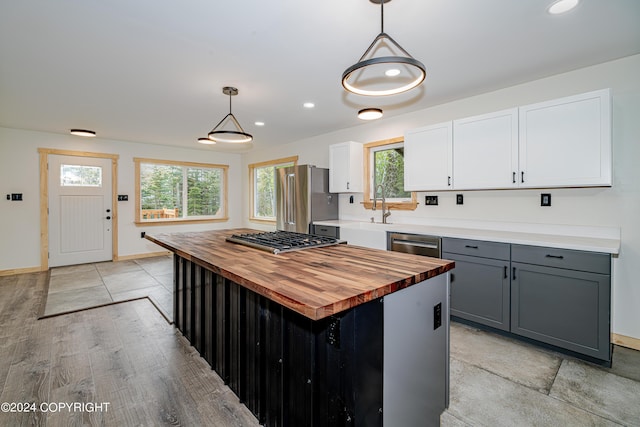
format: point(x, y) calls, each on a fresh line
point(282, 241)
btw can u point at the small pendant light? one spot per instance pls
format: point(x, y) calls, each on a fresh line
point(219, 134)
point(383, 75)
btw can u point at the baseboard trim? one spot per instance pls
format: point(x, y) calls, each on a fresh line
point(14, 271)
point(625, 341)
point(140, 256)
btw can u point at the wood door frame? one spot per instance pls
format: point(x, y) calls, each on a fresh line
point(44, 199)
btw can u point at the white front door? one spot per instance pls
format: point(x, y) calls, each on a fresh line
point(80, 211)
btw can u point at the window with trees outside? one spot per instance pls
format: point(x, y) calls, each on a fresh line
point(262, 177)
point(384, 172)
point(169, 191)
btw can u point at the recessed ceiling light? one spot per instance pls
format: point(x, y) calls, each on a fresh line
point(392, 72)
point(259, 123)
point(308, 105)
point(370, 114)
point(562, 6)
point(82, 132)
point(205, 140)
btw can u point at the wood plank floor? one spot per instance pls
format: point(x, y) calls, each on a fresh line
point(125, 355)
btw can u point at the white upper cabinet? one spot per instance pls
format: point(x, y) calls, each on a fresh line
point(345, 167)
point(567, 142)
point(428, 158)
point(485, 151)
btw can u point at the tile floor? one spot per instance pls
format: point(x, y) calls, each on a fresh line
point(83, 286)
point(495, 380)
point(499, 381)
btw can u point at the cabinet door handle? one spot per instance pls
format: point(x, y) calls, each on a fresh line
point(514, 177)
point(521, 176)
point(449, 181)
point(505, 272)
point(513, 274)
point(470, 246)
point(347, 185)
point(554, 256)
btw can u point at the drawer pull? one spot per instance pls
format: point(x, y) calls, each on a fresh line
point(471, 246)
point(554, 256)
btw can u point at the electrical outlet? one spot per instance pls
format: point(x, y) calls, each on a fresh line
point(545, 199)
point(431, 200)
point(459, 199)
point(437, 316)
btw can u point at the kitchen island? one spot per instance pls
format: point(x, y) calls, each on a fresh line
point(338, 335)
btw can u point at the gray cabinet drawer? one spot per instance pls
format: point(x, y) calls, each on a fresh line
point(326, 230)
point(478, 248)
point(562, 258)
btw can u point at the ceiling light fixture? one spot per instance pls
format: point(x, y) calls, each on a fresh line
point(82, 132)
point(370, 114)
point(562, 6)
point(308, 105)
point(367, 77)
point(219, 134)
point(205, 140)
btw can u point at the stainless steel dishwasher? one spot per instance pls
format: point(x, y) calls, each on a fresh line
point(417, 244)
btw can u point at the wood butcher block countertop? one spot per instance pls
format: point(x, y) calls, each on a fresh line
point(316, 282)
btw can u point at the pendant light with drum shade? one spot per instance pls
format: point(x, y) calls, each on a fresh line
point(219, 134)
point(383, 75)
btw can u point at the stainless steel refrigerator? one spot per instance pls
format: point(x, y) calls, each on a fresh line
point(302, 196)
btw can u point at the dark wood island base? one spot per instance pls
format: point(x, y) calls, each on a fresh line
point(383, 361)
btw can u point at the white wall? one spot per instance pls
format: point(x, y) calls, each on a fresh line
point(19, 173)
point(618, 206)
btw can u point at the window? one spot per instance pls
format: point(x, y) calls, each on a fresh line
point(384, 172)
point(80, 176)
point(262, 177)
point(180, 191)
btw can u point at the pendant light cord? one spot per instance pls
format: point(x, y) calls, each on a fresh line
point(382, 16)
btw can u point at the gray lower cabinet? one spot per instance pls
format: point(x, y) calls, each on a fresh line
point(480, 282)
point(562, 297)
point(559, 297)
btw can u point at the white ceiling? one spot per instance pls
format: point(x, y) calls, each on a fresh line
point(153, 70)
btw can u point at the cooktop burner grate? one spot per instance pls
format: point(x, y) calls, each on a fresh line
point(282, 241)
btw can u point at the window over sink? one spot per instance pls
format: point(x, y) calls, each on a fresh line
point(384, 173)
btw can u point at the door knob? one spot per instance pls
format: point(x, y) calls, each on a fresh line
point(108, 217)
point(108, 210)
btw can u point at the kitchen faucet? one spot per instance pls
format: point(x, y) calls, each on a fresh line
point(386, 214)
